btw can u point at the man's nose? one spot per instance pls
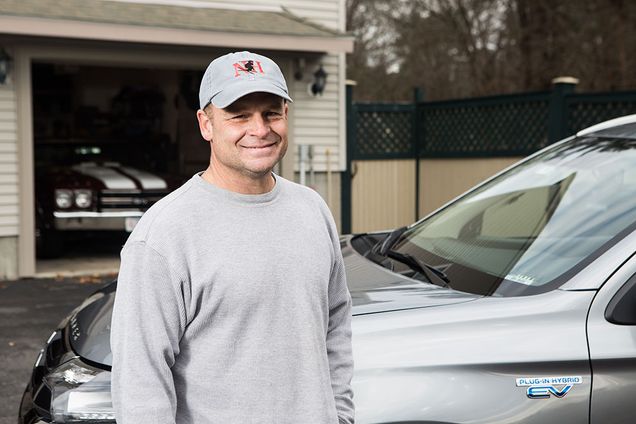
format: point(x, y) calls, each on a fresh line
point(259, 126)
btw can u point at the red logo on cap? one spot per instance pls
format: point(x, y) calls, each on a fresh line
point(248, 67)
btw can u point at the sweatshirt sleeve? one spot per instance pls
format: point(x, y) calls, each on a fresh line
point(148, 321)
point(339, 339)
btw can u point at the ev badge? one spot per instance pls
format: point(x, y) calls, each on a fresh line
point(544, 387)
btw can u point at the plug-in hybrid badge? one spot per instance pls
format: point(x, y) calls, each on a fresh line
point(544, 387)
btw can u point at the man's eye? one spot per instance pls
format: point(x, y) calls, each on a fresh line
point(272, 114)
point(238, 117)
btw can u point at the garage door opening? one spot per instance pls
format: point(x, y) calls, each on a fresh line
point(108, 143)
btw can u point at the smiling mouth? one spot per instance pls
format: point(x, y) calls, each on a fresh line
point(265, 146)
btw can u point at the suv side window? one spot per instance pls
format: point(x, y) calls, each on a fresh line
point(621, 309)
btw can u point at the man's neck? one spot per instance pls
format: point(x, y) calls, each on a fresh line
point(241, 184)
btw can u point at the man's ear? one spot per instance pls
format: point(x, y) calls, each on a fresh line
point(205, 125)
point(285, 109)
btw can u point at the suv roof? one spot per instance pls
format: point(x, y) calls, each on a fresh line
point(611, 124)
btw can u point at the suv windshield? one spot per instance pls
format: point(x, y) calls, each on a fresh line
point(530, 229)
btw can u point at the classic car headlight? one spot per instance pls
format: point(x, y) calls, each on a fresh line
point(83, 198)
point(80, 394)
point(63, 198)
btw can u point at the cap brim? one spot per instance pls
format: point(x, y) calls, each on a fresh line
point(232, 94)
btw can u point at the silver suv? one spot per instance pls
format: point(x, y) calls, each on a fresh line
point(534, 317)
point(514, 303)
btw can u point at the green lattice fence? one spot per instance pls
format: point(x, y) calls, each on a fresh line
point(584, 110)
point(494, 126)
point(384, 131)
point(513, 125)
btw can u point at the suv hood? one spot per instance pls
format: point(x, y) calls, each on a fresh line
point(374, 289)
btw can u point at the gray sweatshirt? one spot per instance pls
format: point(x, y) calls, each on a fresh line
point(233, 308)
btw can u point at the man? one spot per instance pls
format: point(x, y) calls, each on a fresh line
point(231, 304)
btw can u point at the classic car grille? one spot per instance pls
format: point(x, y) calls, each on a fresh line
point(111, 200)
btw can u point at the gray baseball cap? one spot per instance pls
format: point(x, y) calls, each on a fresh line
point(234, 75)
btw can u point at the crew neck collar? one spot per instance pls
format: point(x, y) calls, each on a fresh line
point(247, 199)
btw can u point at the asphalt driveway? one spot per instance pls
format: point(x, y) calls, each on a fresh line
point(29, 311)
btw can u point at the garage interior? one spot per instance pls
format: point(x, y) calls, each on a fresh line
point(141, 117)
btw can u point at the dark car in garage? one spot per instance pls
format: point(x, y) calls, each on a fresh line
point(105, 149)
point(514, 303)
point(86, 186)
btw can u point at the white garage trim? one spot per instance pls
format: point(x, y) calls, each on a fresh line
point(59, 28)
point(26, 199)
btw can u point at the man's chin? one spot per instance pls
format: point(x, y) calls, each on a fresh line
point(261, 167)
point(259, 172)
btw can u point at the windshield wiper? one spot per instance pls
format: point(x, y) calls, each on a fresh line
point(419, 266)
point(387, 243)
point(384, 248)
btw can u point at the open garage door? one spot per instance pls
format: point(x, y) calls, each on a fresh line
point(108, 143)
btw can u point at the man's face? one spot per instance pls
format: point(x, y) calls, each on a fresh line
point(248, 137)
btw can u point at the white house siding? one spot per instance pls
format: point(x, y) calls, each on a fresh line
point(317, 120)
point(8, 163)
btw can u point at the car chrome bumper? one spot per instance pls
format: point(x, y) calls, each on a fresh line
point(86, 220)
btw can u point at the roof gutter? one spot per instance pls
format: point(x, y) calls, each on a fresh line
point(198, 4)
point(61, 28)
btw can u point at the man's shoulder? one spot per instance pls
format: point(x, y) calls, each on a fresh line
point(166, 213)
point(299, 191)
point(307, 200)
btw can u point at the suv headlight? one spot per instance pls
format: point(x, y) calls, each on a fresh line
point(83, 198)
point(63, 198)
point(80, 393)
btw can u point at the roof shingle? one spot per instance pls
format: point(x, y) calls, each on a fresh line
point(179, 17)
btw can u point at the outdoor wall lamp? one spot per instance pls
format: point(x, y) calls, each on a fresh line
point(5, 65)
point(320, 81)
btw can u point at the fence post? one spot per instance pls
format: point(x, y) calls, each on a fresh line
point(345, 182)
point(557, 114)
point(418, 96)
